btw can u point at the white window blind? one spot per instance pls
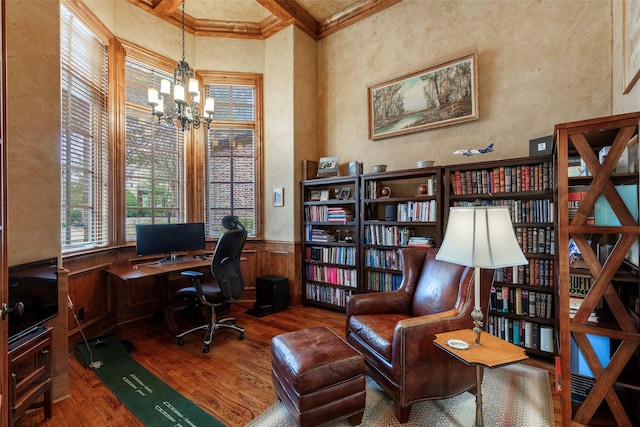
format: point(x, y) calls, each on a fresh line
point(154, 156)
point(230, 168)
point(84, 135)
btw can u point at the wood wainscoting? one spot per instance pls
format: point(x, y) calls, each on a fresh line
point(102, 302)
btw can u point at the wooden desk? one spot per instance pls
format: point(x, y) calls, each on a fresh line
point(164, 273)
point(492, 352)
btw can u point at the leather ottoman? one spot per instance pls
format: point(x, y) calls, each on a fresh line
point(318, 376)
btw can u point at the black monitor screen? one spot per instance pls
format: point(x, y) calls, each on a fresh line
point(33, 286)
point(153, 239)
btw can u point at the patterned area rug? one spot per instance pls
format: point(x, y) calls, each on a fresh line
point(515, 395)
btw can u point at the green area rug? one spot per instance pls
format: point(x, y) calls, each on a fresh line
point(150, 399)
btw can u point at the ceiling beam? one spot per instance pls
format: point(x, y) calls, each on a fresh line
point(288, 11)
point(352, 14)
point(166, 7)
point(285, 13)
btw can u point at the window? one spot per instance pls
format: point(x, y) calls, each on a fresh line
point(154, 155)
point(231, 152)
point(84, 145)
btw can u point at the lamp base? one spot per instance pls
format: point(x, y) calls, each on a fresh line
point(477, 316)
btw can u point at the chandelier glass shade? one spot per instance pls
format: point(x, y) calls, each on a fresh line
point(178, 102)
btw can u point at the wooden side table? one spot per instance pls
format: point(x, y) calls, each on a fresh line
point(492, 352)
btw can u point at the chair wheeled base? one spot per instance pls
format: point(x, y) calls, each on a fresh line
point(226, 323)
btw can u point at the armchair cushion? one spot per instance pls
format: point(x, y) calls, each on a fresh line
point(377, 330)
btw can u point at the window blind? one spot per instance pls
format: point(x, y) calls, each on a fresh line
point(230, 166)
point(154, 156)
point(84, 135)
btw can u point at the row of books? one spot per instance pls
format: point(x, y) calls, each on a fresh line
point(319, 235)
point(522, 302)
point(539, 272)
point(503, 179)
point(323, 213)
point(522, 332)
point(382, 282)
point(425, 211)
point(536, 240)
point(327, 294)
point(521, 211)
point(602, 214)
point(421, 241)
point(574, 305)
point(382, 258)
point(335, 275)
point(331, 255)
point(387, 235)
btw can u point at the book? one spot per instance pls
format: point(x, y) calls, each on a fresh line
point(309, 169)
point(576, 195)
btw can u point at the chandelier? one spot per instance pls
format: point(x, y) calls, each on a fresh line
point(183, 106)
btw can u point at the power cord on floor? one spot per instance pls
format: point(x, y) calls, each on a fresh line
point(93, 364)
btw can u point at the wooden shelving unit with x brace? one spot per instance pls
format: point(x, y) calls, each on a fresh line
point(586, 139)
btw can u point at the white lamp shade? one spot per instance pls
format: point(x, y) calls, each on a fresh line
point(481, 236)
point(165, 87)
point(152, 96)
point(178, 93)
point(209, 105)
point(193, 87)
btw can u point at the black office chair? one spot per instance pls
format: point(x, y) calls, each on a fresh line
point(226, 286)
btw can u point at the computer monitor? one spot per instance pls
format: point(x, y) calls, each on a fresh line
point(154, 239)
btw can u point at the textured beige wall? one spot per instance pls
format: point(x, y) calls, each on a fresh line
point(33, 130)
point(278, 133)
point(305, 113)
point(631, 101)
point(540, 63)
point(289, 126)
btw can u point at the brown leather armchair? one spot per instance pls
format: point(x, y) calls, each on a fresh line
point(395, 330)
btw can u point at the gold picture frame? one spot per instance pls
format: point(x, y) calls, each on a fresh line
point(630, 44)
point(420, 101)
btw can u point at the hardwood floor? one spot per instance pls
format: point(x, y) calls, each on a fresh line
point(232, 381)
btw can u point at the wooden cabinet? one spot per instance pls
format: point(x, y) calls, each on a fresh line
point(330, 256)
point(397, 208)
point(30, 374)
point(522, 308)
point(604, 218)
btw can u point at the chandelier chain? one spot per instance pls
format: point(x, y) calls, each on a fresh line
point(183, 1)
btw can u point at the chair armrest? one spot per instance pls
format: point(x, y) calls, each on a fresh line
point(192, 274)
point(378, 303)
point(416, 335)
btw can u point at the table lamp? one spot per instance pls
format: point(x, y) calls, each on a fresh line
point(480, 237)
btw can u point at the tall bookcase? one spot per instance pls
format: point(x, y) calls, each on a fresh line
point(398, 208)
point(330, 253)
point(605, 218)
point(522, 299)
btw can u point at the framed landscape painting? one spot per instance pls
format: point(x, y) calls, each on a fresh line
point(441, 95)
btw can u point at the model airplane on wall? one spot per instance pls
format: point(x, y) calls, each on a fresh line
point(472, 151)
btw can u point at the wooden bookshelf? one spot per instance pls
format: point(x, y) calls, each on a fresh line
point(522, 307)
point(614, 286)
point(330, 230)
point(397, 208)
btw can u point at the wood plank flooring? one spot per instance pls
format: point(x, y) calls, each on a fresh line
point(232, 381)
